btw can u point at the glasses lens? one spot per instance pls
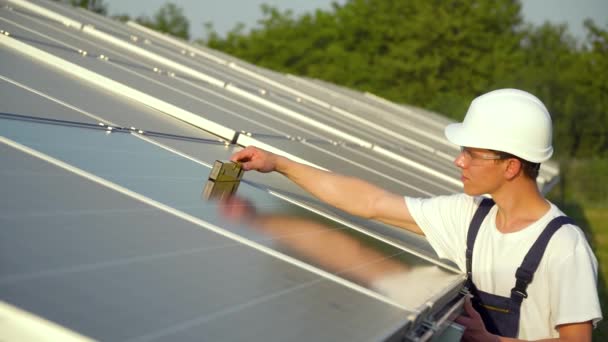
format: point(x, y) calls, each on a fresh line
point(471, 155)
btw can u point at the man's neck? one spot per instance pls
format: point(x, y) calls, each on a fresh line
point(519, 205)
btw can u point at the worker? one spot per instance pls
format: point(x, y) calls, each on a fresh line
point(530, 269)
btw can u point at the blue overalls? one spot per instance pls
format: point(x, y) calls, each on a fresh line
point(501, 314)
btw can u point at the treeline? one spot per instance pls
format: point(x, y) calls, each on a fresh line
point(437, 54)
point(169, 18)
point(440, 55)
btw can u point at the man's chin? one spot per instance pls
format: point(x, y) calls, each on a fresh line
point(472, 192)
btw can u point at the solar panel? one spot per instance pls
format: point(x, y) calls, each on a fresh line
point(172, 181)
point(244, 120)
point(94, 259)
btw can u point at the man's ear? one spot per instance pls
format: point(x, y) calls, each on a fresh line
point(513, 168)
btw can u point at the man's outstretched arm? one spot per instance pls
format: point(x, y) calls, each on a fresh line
point(350, 194)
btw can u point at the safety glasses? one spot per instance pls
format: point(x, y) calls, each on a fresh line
point(471, 155)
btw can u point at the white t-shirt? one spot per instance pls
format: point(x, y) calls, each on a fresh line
point(564, 287)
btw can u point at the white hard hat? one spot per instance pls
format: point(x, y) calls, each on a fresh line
point(507, 120)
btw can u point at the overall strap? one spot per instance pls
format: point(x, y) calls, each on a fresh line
point(481, 213)
point(525, 272)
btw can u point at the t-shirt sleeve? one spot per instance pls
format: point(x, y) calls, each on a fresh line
point(445, 221)
point(576, 299)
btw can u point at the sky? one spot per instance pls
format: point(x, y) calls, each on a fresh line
point(225, 14)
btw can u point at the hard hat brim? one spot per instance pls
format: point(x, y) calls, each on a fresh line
point(457, 134)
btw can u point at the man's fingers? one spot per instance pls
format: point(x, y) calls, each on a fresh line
point(463, 320)
point(253, 158)
point(469, 309)
point(248, 166)
point(248, 163)
point(242, 155)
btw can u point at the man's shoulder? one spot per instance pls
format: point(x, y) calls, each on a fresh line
point(568, 240)
point(568, 234)
point(444, 207)
point(568, 237)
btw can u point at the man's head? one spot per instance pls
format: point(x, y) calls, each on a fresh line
point(507, 120)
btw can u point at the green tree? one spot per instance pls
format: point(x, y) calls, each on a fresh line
point(570, 81)
point(96, 6)
point(170, 19)
point(436, 54)
point(550, 56)
point(594, 84)
point(123, 17)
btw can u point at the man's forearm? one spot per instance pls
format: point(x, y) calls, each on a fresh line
point(347, 193)
point(350, 194)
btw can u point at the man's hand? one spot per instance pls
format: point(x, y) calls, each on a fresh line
point(475, 330)
point(253, 158)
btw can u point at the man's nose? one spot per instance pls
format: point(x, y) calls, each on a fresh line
point(460, 160)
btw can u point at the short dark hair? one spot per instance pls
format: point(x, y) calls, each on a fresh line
point(530, 168)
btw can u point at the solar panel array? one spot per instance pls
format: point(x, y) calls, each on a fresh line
point(108, 132)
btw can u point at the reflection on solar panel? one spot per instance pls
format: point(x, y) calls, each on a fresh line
point(108, 132)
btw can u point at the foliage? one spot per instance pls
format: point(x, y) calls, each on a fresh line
point(436, 54)
point(123, 17)
point(96, 6)
point(570, 82)
point(170, 19)
point(581, 182)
